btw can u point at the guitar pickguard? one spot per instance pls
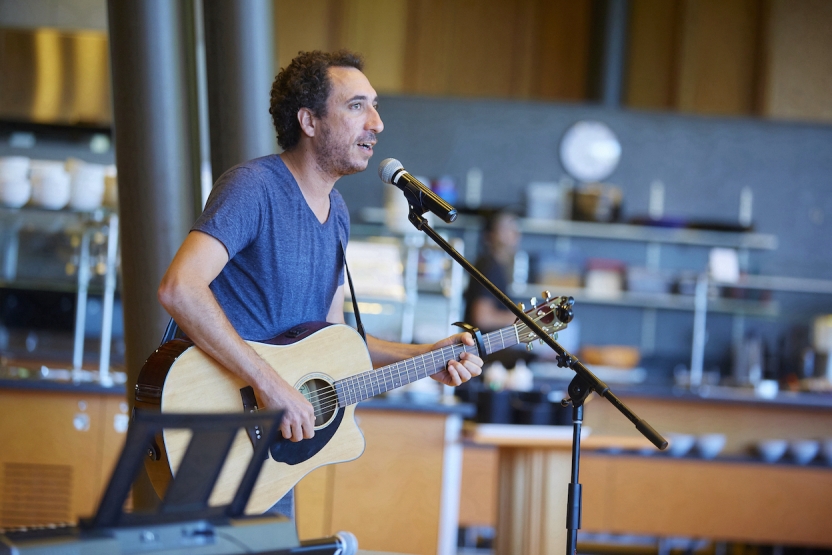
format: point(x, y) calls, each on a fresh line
point(296, 452)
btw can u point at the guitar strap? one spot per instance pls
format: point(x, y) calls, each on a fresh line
point(358, 324)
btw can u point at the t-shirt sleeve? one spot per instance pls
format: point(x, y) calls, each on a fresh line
point(232, 214)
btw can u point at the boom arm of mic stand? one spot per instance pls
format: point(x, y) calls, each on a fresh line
point(564, 359)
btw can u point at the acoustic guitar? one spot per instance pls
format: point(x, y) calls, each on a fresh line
point(329, 364)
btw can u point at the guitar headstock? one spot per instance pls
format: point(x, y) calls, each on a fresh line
point(552, 314)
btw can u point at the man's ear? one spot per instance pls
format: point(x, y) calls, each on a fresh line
point(308, 122)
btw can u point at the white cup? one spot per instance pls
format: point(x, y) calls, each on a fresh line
point(86, 186)
point(50, 185)
point(14, 193)
point(14, 168)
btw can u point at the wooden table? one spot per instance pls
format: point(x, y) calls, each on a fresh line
point(534, 469)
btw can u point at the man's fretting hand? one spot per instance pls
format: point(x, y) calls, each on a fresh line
point(458, 372)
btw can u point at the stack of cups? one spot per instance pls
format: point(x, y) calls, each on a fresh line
point(15, 187)
point(50, 184)
point(86, 185)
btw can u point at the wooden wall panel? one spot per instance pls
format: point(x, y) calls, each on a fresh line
point(652, 52)
point(562, 50)
point(732, 57)
point(481, 51)
point(476, 48)
point(718, 56)
point(377, 28)
point(799, 73)
point(301, 26)
point(429, 33)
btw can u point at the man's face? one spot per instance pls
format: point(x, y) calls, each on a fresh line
point(348, 130)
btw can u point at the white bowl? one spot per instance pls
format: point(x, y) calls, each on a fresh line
point(771, 450)
point(680, 444)
point(710, 445)
point(15, 193)
point(803, 451)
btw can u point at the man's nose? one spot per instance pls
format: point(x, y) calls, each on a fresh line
point(375, 124)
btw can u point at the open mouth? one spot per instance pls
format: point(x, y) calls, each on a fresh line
point(368, 147)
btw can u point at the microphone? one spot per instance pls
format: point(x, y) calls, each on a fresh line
point(418, 195)
point(342, 543)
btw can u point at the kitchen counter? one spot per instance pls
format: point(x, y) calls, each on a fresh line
point(34, 377)
point(713, 394)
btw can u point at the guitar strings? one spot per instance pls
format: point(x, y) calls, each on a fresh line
point(328, 401)
point(324, 401)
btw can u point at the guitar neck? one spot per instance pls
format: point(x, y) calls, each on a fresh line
point(360, 387)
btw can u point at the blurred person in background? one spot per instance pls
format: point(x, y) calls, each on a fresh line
point(501, 237)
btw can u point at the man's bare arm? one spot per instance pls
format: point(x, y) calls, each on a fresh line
point(186, 295)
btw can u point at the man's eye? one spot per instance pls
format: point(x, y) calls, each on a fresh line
point(356, 106)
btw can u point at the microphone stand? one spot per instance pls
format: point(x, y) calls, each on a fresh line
point(584, 382)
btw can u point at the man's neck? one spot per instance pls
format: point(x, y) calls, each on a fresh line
point(315, 184)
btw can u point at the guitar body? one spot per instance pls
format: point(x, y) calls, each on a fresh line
point(180, 378)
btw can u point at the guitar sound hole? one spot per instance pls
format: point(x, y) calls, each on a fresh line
point(324, 399)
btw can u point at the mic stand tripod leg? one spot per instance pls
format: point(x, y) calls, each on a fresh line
point(579, 390)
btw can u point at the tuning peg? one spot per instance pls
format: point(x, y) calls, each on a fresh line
point(533, 301)
point(547, 295)
point(529, 346)
point(521, 306)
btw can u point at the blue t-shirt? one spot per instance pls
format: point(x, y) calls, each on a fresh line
point(284, 265)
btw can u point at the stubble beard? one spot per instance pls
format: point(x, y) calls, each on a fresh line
point(333, 155)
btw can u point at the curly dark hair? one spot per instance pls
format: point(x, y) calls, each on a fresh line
point(305, 83)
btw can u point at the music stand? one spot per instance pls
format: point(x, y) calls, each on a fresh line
point(188, 492)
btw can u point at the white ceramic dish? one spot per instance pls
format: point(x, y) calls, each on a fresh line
point(680, 444)
point(772, 450)
point(710, 445)
point(804, 451)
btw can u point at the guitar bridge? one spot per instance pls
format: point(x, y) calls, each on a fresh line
point(255, 433)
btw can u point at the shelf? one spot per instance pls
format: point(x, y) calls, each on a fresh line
point(53, 221)
point(659, 301)
point(617, 232)
point(649, 234)
point(54, 286)
point(781, 283)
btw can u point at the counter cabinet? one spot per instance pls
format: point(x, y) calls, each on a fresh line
point(59, 449)
point(734, 498)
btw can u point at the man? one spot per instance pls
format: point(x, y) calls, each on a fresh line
point(266, 255)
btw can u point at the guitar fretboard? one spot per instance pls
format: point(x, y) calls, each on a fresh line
point(360, 387)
